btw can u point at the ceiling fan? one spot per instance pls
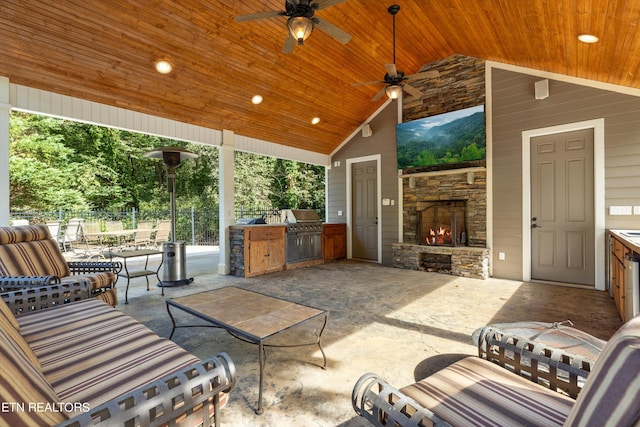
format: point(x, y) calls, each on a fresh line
point(394, 78)
point(301, 21)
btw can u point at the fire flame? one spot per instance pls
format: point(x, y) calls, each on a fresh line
point(441, 236)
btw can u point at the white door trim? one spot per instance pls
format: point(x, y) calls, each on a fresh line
point(350, 162)
point(598, 187)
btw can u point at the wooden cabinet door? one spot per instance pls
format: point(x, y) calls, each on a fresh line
point(275, 254)
point(618, 275)
point(334, 241)
point(256, 258)
point(264, 250)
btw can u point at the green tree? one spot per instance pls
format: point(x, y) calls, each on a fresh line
point(58, 163)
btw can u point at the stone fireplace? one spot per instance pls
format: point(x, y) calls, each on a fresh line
point(444, 223)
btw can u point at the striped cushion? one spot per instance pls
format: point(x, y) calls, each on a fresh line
point(21, 385)
point(24, 233)
point(91, 353)
point(97, 281)
point(611, 395)
point(5, 311)
point(110, 297)
point(33, 258)
point(13, 334)
point(475, 392)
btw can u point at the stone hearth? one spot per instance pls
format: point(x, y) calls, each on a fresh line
point(465, 261)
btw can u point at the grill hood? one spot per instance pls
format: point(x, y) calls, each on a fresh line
point(296, 216)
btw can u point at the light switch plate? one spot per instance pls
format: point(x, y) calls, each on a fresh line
point(620, 210)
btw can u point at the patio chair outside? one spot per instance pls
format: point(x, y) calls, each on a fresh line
point(72, 233)
point(55, 228)
point(145, 224)
point(93, 243)
point(115, 226)
point(119, 241)
point(144, 234)
point(89, 227)
point(162, 232)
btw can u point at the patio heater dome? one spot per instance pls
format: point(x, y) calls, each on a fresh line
point(174, 272)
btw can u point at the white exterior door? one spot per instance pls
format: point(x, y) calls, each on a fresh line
point(364, 218)
point(562, 207)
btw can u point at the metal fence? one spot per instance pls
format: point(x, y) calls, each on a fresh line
point(194, 226)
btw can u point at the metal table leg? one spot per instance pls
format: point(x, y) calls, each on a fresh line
point(262, 361)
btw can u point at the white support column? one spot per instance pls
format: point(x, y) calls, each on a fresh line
point(5, 111)
point(227, 197)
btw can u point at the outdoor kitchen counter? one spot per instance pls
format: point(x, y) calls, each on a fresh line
point(630, 238)
point(623, 280)
point(266, 248)
point(257, 249)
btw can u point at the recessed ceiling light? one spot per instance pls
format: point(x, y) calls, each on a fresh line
point(587, 38)
point(315, 120)
point(257, 99)
point(163, 66)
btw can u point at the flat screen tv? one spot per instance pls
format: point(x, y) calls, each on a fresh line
point(449, 140)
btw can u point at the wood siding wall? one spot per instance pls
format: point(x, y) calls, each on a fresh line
point(382, 142)
point(514, 109)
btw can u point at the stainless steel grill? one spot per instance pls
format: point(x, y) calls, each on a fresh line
point(304, 235)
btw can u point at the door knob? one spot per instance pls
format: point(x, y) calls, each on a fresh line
point(536, 226)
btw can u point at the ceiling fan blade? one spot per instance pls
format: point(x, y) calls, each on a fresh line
point(259, 15)
point(412, 91)
point(323, 4)
point(335, 32)
point(423, 75)
point(391, 70)
point(289, 44)
point(379, 94)
point(367, 83)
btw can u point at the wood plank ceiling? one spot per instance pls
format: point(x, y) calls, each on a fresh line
point(104, 51)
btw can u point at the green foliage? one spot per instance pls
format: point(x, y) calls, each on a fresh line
point(63, 164)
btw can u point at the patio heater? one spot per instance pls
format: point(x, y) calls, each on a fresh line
point(174, 269)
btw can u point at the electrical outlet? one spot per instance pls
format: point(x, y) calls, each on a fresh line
point(636, 210)
point(502, 256)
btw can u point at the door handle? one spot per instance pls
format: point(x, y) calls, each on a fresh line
point(536, 226)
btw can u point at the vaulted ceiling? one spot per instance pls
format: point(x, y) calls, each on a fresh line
point(104, 51)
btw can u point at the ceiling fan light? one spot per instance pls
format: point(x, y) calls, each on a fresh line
point(393, 91)
point(300, 28)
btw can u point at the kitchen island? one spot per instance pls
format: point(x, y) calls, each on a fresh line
point(266, 248)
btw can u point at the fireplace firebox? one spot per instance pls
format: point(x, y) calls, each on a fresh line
point(443, 223)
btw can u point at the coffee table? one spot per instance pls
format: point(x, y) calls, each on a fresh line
point(250, 316)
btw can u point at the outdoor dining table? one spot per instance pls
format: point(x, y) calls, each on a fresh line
point(117, 235)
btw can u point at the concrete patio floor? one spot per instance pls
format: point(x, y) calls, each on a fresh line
point(396, 323)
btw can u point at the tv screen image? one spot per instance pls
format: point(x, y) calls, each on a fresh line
point(449, 138)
